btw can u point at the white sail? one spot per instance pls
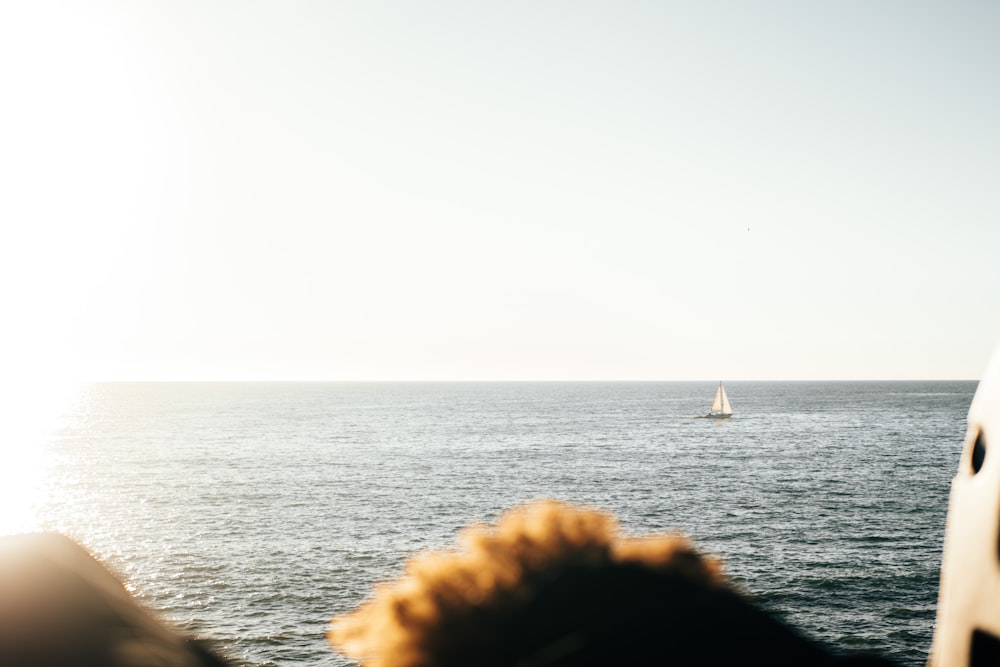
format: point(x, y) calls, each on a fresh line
point(720, 394)
point(721, 408)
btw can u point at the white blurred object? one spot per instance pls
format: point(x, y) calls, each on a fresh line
point(967, 631)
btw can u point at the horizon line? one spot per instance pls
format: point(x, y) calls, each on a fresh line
point(492, 380)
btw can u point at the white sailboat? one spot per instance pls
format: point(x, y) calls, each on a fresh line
point(720, 406)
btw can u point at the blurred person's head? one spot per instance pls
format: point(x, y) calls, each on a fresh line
point(553, 585)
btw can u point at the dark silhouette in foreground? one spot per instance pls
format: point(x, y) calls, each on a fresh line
point(554, 585)
point(551, 585)
point(59, 607)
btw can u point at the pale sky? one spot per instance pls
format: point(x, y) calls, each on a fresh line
point(376, 190)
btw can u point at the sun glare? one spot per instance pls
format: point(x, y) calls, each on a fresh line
point(24, 436)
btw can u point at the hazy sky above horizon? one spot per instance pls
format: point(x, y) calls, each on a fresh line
point(436, 190)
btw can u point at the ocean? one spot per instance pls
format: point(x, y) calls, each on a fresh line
point(251, 513)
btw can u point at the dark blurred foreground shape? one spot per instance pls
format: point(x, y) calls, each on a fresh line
point(553, 585)
point(59, 607)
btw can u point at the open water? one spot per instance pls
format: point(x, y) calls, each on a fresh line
point(254, 512)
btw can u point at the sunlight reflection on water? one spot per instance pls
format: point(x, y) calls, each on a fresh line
point(252, 513)
point(35, 411)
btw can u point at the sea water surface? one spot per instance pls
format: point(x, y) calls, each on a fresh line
point(251, 513)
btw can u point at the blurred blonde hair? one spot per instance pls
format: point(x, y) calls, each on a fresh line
point(461, 607)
